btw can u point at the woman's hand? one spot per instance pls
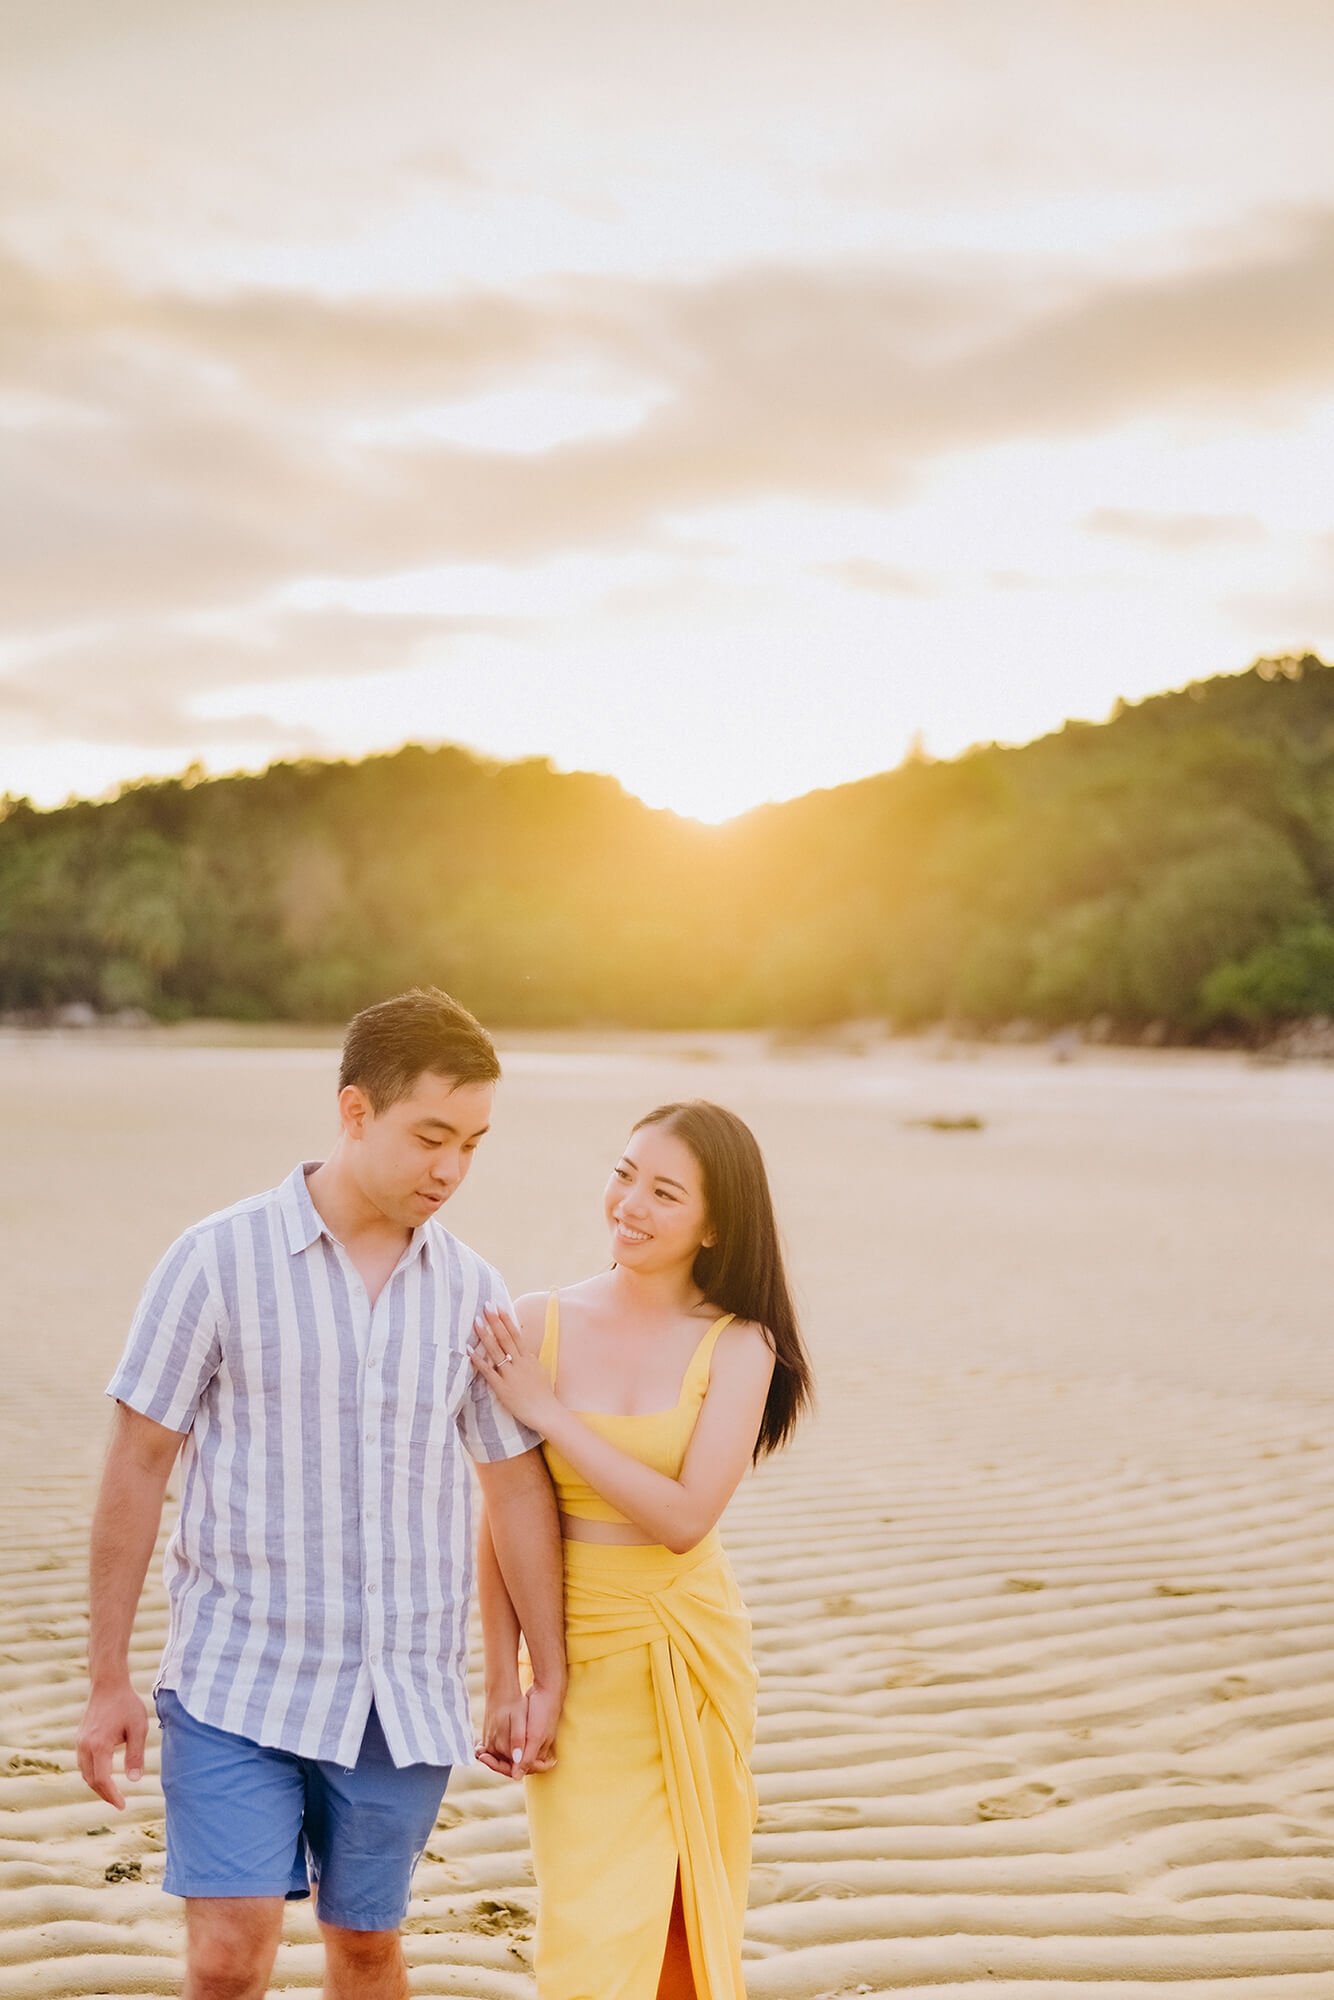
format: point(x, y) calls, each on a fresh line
point(504, 1724)
point(519, 1731)
point(517, 1380)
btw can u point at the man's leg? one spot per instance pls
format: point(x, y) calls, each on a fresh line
point(231, 1943)
point(234, 1813)
point(364, 1830)
point(363, 1965)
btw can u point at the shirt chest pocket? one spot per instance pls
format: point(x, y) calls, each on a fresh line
point(252, 1353)
point(443, 1379)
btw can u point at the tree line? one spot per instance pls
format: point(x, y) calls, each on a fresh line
point(1172, 865)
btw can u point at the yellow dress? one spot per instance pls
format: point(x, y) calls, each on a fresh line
point(654, 1742)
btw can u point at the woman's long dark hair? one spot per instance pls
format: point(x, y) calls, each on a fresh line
point(742, 1270)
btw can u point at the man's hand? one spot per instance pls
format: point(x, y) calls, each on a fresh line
point(519, 1731)
point(114, 1715)
point(523, 1541)
point(125, 1523)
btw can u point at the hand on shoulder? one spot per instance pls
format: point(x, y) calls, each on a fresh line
point(530, 1312)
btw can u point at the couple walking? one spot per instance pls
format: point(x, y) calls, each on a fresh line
point(316, 1356)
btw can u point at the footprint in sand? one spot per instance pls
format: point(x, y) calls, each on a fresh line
point(438, 1860)
point(20, 1765)
point(842, 1607)
point(1017, 1583)
point(494, 1917)
point(1022, 1803)
point(1232, 1687)
point(819, 1892)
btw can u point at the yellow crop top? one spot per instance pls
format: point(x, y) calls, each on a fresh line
point(658, 1438)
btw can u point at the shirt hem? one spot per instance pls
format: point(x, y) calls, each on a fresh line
point(462, 1752)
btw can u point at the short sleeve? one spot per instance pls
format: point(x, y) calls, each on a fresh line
point(173, 1348)
point(488, 1430)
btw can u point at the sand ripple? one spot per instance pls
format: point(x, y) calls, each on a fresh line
point(1050, 1713)
point(1046, 1670)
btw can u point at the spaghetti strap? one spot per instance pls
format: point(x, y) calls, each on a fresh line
point(549, 1354)
point(700, 1360)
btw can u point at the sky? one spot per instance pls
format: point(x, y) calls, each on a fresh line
point(725, 396)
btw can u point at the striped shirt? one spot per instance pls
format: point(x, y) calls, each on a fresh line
point(323, 1555)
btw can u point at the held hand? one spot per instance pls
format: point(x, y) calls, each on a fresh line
point(112, 1717)
point(518, 1380)
point(504, 1727)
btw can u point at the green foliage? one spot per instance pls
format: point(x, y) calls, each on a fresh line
point(1292, 977)
point(1207, 910)
point(1080, 964)
point(1175, 864)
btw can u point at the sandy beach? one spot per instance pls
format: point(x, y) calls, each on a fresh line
point(1042, 1601)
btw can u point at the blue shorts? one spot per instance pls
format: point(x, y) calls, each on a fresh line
point(243, 1820)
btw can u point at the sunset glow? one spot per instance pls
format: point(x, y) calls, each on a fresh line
point(719, 397)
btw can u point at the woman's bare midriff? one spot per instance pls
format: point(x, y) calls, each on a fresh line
point(622, 1532)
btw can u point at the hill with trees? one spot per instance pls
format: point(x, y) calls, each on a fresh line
point(1172, 865)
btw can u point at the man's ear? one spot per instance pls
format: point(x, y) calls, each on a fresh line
point(354, 1110)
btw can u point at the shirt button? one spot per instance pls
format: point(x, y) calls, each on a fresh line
point(370, 1437)
point(371, 1589)
point(374, 1361)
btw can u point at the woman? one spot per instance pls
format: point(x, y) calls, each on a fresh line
point(654, 1384)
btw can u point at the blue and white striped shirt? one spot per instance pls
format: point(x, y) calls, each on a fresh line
point(323, 1555)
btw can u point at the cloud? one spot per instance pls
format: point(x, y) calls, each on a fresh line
point(143, 683)
point(199, 451)
point(1178, 532)
point(882, 578)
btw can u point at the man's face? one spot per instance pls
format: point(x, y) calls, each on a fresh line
point(408, 1159)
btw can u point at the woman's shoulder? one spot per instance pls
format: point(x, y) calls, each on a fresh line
point(745, 1343)
point(531, 1310)
point(566, 1295)
point(531, 1313)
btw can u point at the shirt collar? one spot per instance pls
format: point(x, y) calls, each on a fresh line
point(304, 1224)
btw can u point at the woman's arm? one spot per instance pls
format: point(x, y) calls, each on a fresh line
point(676, 1512)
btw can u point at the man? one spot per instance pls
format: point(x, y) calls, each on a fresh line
point(306, 1354)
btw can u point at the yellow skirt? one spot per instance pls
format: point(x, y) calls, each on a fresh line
point(652, 1776)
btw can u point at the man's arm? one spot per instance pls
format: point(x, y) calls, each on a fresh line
point(125, 1525)
point(505, 1723)
point(525, 1533)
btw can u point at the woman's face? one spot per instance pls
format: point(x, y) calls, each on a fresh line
point(655, 1203)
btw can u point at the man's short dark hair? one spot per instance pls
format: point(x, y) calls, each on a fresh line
point(388, 1046)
